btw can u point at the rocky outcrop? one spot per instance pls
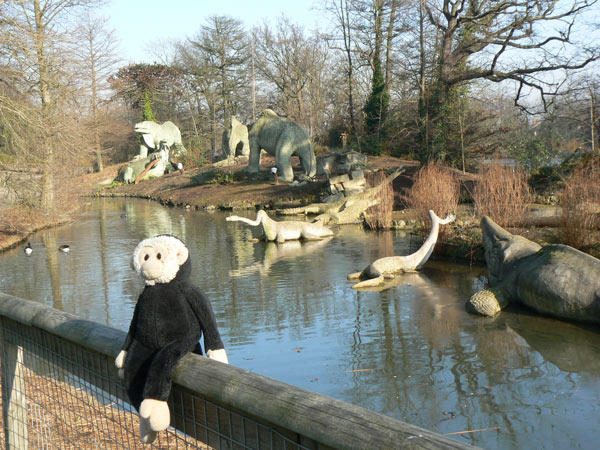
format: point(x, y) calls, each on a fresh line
point(346, 210)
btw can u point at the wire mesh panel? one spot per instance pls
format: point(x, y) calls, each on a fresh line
point(63, 396)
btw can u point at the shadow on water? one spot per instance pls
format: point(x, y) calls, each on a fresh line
point(287, 311)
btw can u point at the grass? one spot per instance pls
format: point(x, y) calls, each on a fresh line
point(502, 193)
point(379, 216)
point(435, 188)
point(580, 205)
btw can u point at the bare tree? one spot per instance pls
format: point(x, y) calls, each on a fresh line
point(533, 43)
point(223, 44)
point(295, 65)
point(96, 55)
point(34, 45)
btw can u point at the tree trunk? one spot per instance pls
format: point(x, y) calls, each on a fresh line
point(348, 47)
point(47, 188)
point(388, 45)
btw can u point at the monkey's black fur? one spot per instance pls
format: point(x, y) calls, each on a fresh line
point(168, 322)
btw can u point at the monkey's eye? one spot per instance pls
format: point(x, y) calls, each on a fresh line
point(146, 257)
point(158, 256)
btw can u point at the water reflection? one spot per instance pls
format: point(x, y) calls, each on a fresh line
point(287, 311)
point(275, 252)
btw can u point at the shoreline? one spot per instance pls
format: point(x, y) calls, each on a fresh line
point(460, 242)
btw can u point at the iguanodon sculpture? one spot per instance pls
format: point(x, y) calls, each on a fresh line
point(232, 138)
point(157, 135)
point(286, 230)
point(347, 210)
point(556, 279)
point(376, 272)
point(281, 138)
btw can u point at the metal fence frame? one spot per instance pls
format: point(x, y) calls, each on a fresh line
point(60, 390)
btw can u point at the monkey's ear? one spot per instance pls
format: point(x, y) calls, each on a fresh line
point(182, 255)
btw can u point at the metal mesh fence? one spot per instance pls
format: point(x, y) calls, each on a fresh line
point(62, 396)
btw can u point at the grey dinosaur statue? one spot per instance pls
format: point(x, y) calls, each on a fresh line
point(350, 209)
point(236, 134)
point(281, 138)
point(286, 230)
point(157, 136)
point(376, 272)
point(555, 280)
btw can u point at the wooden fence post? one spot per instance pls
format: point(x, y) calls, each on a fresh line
point(14, 400)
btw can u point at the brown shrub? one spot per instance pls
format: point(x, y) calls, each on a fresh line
point(580, 203)
point(502, 193)
point(436, 188)
point(379, 217)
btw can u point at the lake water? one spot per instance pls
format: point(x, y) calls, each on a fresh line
point(288, 312)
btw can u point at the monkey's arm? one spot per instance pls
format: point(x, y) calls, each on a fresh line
point(208, 323)
point(120, 359)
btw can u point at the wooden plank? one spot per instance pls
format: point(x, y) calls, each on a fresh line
point(14, 405)
point(323, 419)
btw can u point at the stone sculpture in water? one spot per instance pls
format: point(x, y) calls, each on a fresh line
point(556, 280)
point(286, 230)
point(281, 138)
point(376, 272)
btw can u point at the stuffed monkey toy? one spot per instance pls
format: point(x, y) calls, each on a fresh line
point(169, 319)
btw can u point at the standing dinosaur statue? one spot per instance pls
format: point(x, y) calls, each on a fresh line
point(376, 272)
point(286, 230)
point(347, 210)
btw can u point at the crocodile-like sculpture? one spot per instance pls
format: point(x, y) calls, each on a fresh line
point(347, 210)
point(556, 280)
point(376, 272)
point(286, 230)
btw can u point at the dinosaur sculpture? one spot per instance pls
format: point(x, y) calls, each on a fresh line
point(556, 280)
point(347, 210)
point(286, 230)
point(281, 138)
point(232, 138)
point(157, 136)
point(376, 272)
point(157, 162)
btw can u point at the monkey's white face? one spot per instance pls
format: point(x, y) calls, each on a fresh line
point(157, 259)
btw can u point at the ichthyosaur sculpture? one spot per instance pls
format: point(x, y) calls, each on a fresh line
point(556, 280)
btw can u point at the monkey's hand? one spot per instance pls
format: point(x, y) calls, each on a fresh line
point(120, 363)
point(219, 355)
point(156, 413)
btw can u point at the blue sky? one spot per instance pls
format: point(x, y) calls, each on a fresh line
point(139, 22)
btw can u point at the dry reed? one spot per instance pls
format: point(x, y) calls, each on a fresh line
point(436, 188)
point(379, 216)
point(580, 203)
point(502, 193)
